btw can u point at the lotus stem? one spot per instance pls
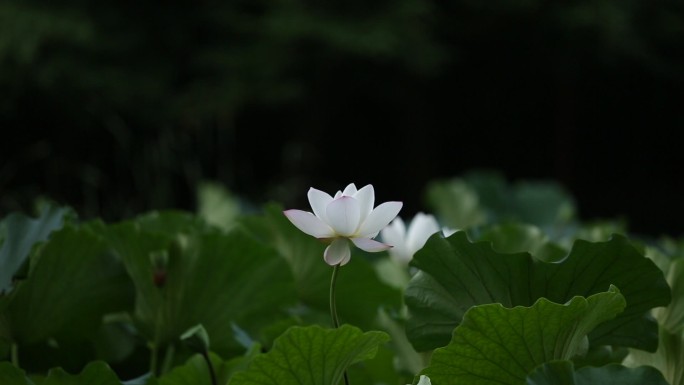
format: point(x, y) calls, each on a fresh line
point(153, 359)
point(333, 308)
point(333, 303)
point(15, 354)
point(210, 366)
point(168, 359)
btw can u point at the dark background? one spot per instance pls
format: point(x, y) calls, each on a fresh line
point(118, 108)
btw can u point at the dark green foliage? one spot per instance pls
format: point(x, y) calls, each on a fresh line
point(311, 356)
point(21, 235)
point(502, 345)
point(563, 373)
point(520, 306)
point(457, 274)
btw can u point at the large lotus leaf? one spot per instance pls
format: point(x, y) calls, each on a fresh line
point(196, 371)
point(95, 373)
point(22, 233)
point(360, 293)
point(498, 345)
point(457, 274)
point(601, 355)
point(518, 237)
point(210, 278)
point(10, 374)
point(563, 373)
point(381, 369)
point(311, 356)
point(74, 281)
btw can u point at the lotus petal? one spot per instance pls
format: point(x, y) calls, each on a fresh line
point(350, 190)
point(366, 198)
point(380, 217)
point(309, 223)
point(338, 252)
point(318, 201)
point(370, 245)
point(343, 215)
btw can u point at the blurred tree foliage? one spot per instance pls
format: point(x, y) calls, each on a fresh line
point(120, 107)
point(154, 90)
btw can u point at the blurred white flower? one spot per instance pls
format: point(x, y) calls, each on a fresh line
point(408, 242)
point(349, 216)
point(424, 380)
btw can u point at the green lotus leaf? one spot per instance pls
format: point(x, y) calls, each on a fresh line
point(563, 373)
point(73, 282)
point(95, 373)
point(498, 345)
point(311, 355)
point(202, 276)
point(517, 237)
point(22, 233)
point(196, 371)
point(10, 374)
point(457, 274)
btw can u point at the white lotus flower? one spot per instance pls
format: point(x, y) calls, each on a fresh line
point(349, 216)
point(407, 243)
point(424, 380)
